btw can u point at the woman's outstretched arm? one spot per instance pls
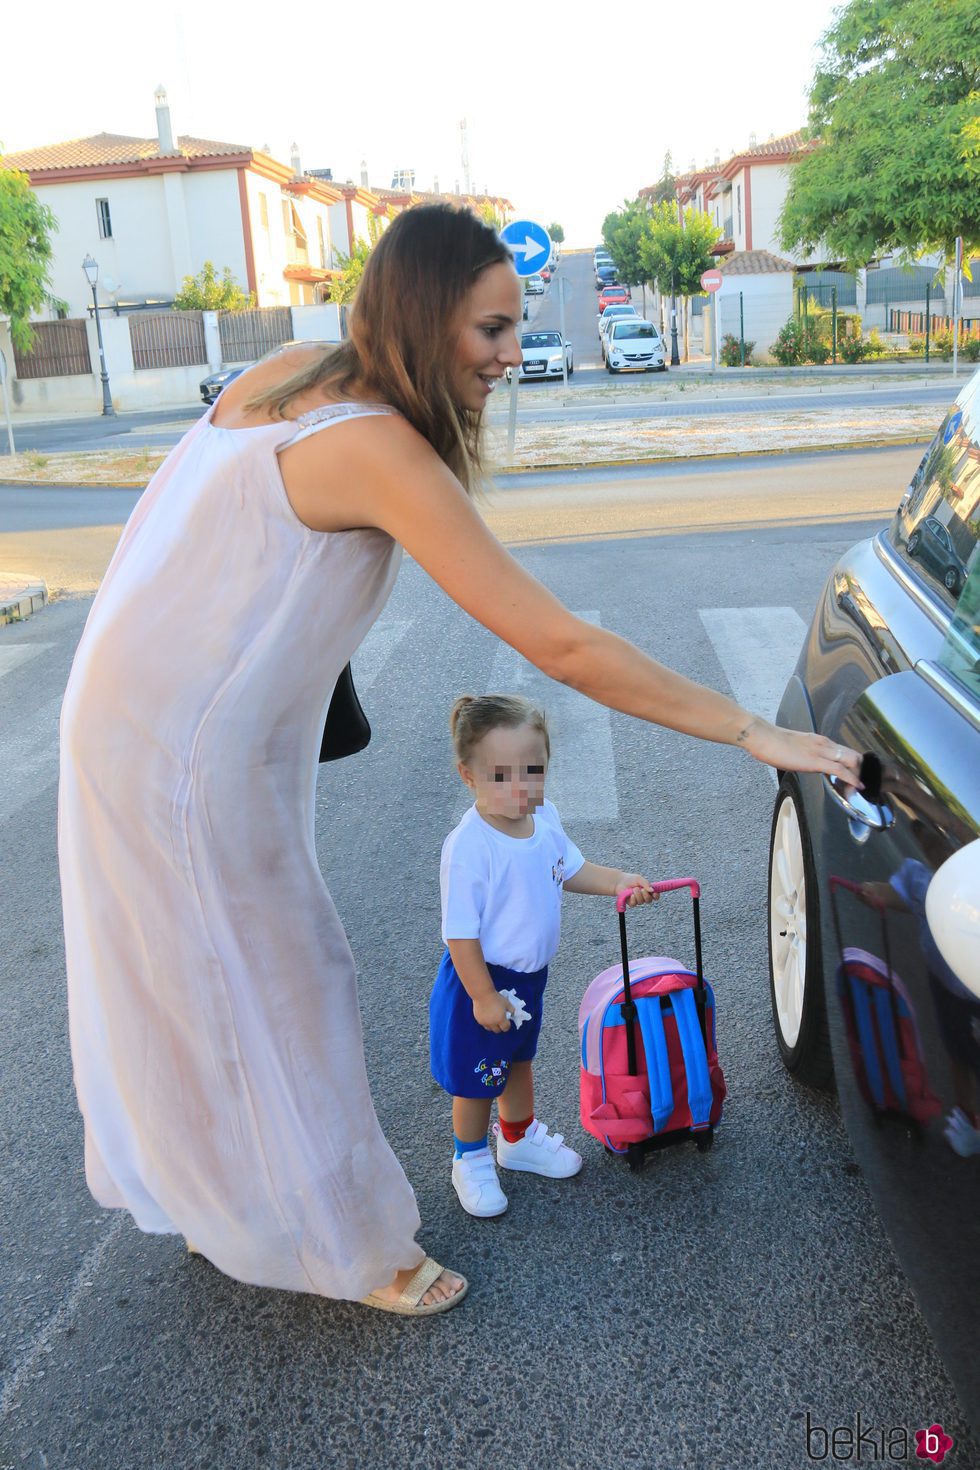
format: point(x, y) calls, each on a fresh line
point(380, 472)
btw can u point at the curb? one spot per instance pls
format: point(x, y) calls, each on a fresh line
point(558, 464)
point(674, 459)
point(17, 602)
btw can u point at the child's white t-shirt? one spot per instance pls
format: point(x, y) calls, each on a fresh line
point(506, 891)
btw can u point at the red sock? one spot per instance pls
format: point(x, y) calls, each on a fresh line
point(514, 1132)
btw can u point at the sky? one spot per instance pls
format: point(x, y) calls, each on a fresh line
point(551, 125)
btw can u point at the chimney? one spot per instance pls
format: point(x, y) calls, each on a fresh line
point(435, 184)
point(752, 140)
point(717, 158)
point(296, 161)
point(165, 137)
point(456, 187)
point(364, 174)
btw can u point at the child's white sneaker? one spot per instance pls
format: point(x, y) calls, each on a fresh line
point(538, 1152)
point(475, 1181)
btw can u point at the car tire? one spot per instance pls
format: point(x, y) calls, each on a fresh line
point(796, 982)
point(571, 368)
point(912, 545)
point(951, 581)
point(611, 370)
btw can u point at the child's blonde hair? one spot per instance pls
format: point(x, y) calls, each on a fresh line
point(473, 717)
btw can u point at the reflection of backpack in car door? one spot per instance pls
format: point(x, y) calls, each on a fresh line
point(882, 1030)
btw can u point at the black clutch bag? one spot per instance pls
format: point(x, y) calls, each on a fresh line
point(346, 730)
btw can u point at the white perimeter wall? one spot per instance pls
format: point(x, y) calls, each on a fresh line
point(767, 304)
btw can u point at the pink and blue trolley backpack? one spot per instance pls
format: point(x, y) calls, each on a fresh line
point(650, 1074)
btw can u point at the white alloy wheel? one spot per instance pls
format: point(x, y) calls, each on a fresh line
point(796, 987)
point(787, 921)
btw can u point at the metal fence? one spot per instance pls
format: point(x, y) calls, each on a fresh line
point(168, 339)
point(823, 288)
point(903, 283)
point(914, 322)
point(60, 350)
point(246, 335)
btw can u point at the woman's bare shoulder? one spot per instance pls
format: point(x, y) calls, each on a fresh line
point(263, 376)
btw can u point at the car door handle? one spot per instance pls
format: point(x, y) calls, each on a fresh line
point(876, 815)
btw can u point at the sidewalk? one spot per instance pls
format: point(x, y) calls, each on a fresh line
point(19, 597)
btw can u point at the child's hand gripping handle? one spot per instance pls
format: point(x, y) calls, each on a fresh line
point(622, 898)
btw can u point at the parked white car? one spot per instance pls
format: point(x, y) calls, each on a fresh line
point(534, 286)
point(635, 345)
point(543, 353)
point(610, 314)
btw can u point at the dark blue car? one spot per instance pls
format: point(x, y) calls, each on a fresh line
point(867, 990)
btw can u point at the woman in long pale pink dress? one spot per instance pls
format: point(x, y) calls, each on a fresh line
point(213, 1008)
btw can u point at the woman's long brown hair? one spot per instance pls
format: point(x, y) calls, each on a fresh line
point(401, 344)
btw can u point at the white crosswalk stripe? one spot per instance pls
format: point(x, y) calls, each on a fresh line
point(582, 772)
point(757, 648)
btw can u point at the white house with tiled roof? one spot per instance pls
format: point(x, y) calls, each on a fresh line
point(152, 210)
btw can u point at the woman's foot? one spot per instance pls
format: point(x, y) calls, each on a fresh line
point(445, 1286)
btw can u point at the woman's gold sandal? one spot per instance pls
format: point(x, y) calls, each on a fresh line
point(409, 1303)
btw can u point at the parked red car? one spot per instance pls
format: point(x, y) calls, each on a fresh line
point(613, 296)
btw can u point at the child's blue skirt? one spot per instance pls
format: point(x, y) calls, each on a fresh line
point(466, 1059)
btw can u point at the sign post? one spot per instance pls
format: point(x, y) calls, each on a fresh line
point(563, 291)
point(711, 282)
point(6, 402)
point(530, 245)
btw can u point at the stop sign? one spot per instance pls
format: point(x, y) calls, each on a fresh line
point(711, 280)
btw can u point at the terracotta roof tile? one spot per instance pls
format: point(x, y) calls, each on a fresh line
point(788, 143)
point(754, 263)
point(108, 148)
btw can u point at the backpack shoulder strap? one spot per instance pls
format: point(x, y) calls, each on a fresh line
point(699, 1095)
point(651, 1021)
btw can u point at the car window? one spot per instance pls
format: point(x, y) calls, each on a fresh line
point(634, 329)
point(961, 648)
point(936, 529)
point(541, 339)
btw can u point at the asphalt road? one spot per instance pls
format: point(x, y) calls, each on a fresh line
point(687, 1318)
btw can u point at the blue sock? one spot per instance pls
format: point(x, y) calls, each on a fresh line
point(468, 1148)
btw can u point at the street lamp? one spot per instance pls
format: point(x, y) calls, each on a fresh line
point(675, 356)
point(91, 269)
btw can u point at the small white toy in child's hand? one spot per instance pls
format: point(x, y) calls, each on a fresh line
point(518, 1015)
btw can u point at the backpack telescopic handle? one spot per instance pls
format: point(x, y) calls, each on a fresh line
point(628, 1007)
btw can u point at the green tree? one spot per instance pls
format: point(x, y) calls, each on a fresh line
point(205, 292)
point(26, 227)
point(624, 231)
point(557, 233)
point(492, 215)
point(676, 252)
point(895, 103)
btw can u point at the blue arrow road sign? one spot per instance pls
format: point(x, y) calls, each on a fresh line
point(529, 243)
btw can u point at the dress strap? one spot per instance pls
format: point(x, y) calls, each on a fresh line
point(333, 413)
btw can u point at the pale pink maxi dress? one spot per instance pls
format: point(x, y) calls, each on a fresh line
point(215, 1031)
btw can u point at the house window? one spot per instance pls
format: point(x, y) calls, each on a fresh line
point(105, 222)
point(287, 216)
point(738, 205)
point(320, 243)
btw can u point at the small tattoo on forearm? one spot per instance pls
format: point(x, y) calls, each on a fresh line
point(743, 735)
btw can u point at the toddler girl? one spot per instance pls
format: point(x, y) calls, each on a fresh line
point(503, 871)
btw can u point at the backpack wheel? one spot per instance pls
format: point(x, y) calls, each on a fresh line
point(635, 1157)
point(704, 1141)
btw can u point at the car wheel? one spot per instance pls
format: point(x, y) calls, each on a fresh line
point(796, 986)
point(571, 368)
point(912, 545)
point(951, 581)
point(610, 369)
